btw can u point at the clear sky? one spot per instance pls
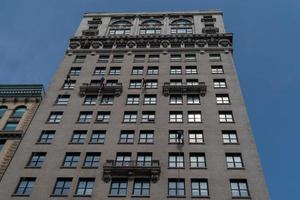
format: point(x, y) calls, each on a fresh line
point(34, 35)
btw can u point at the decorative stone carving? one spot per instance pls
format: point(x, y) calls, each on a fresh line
point(224, 43)
point(201, 43)
point(97, 45)
point(131, 44)
point(165, 43)
point(74, 45)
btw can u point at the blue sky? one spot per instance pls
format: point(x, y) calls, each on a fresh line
point(34, 35)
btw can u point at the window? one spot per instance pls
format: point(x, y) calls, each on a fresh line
point(191, 70)
point(92, 160)
point(190, 57)
point(135, 84)
point(25, 186)
point(151, 84)
point(153, 58)
point(19, 112)
point(69, 84)
point(117, 58)
point(85, 117)
point(217, 69)
point(225, 117)
point(103, 59)
point(36, 159)
point(181, 30)
point(141, 187)
point(99, 71)
point(130, 117)
point(176, 187)
point(2, 111)
point(62, 187)
point(175, 58)
point(196, 137)
point(152, 70)
point(133, 99)
point(10, 126)
point(78, 137)
point(176, 82)
point(239, 188)
point(85, 186)
point(118, 187)
point(137, 71)
point(119, 31)
point(148, 116)
point(139, 58)
point(234, 160)
point(176, 137)
point(46, 137)
point(75, 71)
point(90, 100)
point(98, 137)
point(95, 82)
point(144, 159)
point(123, 159)
point(126, 137)
point(175, 70)
point(149, 31)
point(2, 143)
point(193, 99)
point(222, 99)
point(192, 82)
point(71, 159)
point(175, 116)
point(103, 117)
point(107, 100)
point(214, 57)
point(150, 99)
point(175, 99)
point(194, 116)
point(176, 160)
point(230, 137)
point(62, 99)
point(79, 59)
point(199, 188)
point(146, 137)
point(220, 83)
point(197, 160)
point(111, 82)
point(115, 71)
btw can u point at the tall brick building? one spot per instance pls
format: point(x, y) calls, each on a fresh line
point(143, 106)
point(18, 104)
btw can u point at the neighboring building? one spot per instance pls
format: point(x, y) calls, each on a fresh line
point(18, 104)
point(143, 106)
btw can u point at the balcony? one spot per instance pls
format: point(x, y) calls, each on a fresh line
point(210, 30)
point(184, 88)
point(90, 89)
point(130, 169)
point(90, 32)
point(7, 134)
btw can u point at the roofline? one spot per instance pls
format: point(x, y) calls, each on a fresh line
point(196, 12)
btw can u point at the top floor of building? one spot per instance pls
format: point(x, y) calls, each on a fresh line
point(151, 23)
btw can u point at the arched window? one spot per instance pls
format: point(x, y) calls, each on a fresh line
point(19, 111)
point(2, 111)
point(122, 23)
point(181, 22)
point(151, 22)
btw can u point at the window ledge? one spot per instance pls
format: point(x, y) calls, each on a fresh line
point(110, 195)
point(200, 197)
point(139, 196)
point(57, 195)
point(83, 167)
point(76, 143)
point(241, 197)
point(20, 195)
point(80, 195)
point(32, 167)
point(63, 167)
point(176, 196)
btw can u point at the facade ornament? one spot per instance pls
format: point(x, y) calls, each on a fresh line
point(97, 45)
point(74, 45)
point(224, 43)
point(131, 44)
point(201, 43)
point(165, 43)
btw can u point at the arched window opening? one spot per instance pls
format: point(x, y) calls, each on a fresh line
point(2, 111)
point(19, 111)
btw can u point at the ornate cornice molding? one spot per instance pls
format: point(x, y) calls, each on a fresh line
point(94, 43)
